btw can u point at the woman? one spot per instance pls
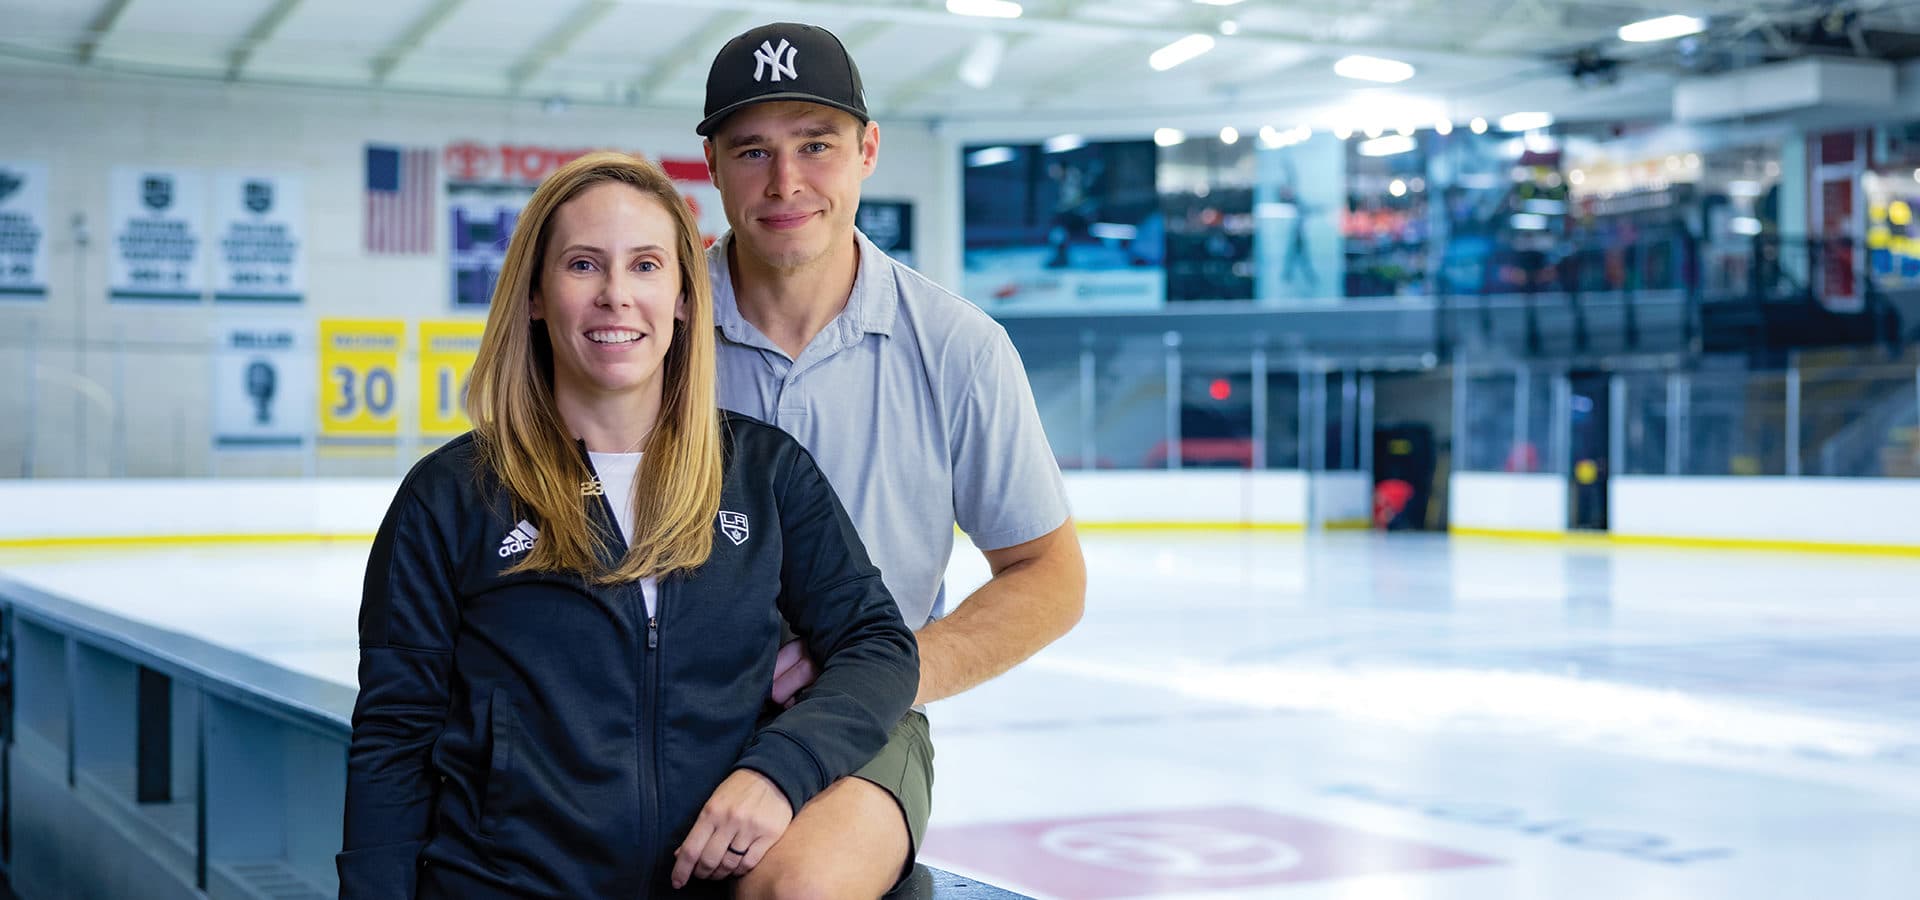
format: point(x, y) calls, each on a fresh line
point(571, 613)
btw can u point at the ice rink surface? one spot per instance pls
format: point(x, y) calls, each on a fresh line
point(1348, 716)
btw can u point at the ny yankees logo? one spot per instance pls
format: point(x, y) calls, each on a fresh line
point(769, 55)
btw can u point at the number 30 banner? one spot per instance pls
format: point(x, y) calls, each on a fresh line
point(359, 379)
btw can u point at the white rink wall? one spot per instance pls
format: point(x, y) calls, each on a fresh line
point(1835, 512)
point(41, 510)
point(1507, 501)
point(1845, 511)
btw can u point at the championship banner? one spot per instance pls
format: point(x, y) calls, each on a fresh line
point(159, 248)
point(488, 185)
point(23, 230)
point(359, 380)
point(262, 386)
point(447, 351)
point(258, 220)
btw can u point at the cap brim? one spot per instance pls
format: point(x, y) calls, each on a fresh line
point(708, 124)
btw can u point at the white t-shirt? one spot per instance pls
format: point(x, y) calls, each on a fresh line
point(616, 472)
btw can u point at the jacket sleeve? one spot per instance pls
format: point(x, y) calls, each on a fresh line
point(408, 618)
point(869, 662)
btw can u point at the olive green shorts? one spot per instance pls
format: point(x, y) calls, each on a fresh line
point(904, 768)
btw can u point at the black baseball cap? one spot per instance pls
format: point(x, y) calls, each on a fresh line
point(782, 61)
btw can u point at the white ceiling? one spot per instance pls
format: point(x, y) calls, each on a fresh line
point(1065, 61)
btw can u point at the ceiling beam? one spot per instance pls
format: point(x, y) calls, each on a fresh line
point(1086, 68)
point(395, 53)
point(1069, 26)
point(697, 47)
point(100, 29)
point(862, 34)
point(946, 73)
point(261, 32)
point(556, 42)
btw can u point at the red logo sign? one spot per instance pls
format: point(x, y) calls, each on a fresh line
point(471, 161)
point(1102, 857)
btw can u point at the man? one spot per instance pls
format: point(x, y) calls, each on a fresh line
point(915, 405)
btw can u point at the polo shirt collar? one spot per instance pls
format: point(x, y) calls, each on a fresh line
point(871, 306)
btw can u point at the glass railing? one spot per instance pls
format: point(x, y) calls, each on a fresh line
point(1144, 401)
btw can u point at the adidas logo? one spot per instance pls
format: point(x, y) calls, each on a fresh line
point(519, 540)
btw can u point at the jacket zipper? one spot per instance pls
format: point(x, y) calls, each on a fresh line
point(648, 666)
point(652, 664)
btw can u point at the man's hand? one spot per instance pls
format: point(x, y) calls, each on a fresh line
point(793, 670)
point(741, 821)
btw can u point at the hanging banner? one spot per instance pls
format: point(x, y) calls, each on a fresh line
point(359, 379)
point(262, 385)
point(159, 221)
point(258, 220)
point(488, 185)
point(889, 225)
point(447, 351)
point(23, 230)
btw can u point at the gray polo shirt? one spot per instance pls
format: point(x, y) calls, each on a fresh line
point(915, 405)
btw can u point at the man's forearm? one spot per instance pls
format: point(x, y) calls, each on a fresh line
point(1024, 607)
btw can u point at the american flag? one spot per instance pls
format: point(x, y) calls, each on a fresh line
point(400, 200)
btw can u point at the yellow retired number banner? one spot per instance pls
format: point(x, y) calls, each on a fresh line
point(447, 351)
point(359, 377)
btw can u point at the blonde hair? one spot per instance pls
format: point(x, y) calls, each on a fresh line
point(523, 440)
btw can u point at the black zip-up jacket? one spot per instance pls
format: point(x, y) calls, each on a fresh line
point(533, 735)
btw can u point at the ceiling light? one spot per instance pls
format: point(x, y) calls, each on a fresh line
point(1229, 135)
point(1661, 29)
point(1229, 27)
point(1397, 188)
point(982, 61)
point(1525, 121)
point(1576, 178)
point(986, 9)
point(1406, 128)
point(1373, 68)
point(989, 156)
point(1269, 136)
point(1745, 225)
point(1346, 131)
point(1479, 125)
point(1387, 146)
point(1168, 137)
point(1374, 131)
point(1443, 127)
point(1180, 51)
point(1529, 222)
point(1061, 143)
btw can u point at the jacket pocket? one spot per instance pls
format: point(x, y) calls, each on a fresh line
point(504, 729)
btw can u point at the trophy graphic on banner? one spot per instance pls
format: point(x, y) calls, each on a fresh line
point(260, 382)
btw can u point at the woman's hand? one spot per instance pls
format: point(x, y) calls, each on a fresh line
point(745, 816)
